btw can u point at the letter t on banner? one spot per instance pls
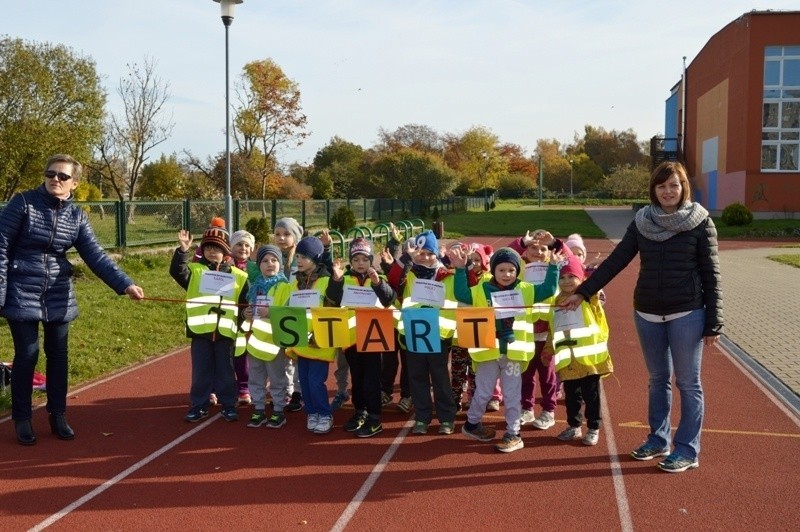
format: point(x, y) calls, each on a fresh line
point(475, 327)
point(330, 326)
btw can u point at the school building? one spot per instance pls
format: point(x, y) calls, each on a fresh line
point(734, 117)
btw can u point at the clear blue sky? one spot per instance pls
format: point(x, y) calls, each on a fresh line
point(524, 69)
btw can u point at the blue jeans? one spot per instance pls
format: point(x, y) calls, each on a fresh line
point(674, 346)
point(313, 374)
point(26, 353)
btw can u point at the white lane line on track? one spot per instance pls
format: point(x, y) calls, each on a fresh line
point(624, 510)
point(362, 493)
point(121, 476)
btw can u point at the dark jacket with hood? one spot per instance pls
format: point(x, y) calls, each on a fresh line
point(36, 230)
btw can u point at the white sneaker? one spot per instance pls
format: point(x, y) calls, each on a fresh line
point(325, 425)
point(313, 421)
point(493, 405)
point(592, 436)
point(570, 433)
point(544, 421)
point(526, 417)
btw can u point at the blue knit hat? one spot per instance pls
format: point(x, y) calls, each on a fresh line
point(311, 247)
point(269, 249)
point(427, 240)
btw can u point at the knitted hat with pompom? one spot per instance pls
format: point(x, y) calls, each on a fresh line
point(216, 235)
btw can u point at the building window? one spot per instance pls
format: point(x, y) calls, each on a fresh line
point(780, 119)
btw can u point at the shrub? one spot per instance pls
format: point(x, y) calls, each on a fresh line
point(259, 228)
point(343, 219)
point(737, 214)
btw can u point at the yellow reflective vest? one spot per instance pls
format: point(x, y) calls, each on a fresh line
point(523, 346)
point(255, 336)
point(447, 314)
point(208, 313)
point(582, 351)
point(326, 354)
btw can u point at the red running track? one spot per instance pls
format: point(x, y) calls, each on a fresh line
point(135, 464)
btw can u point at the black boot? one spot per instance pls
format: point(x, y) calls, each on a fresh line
point(25, 435)
point(60, 427)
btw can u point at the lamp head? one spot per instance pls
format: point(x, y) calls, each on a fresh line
point(226, 9)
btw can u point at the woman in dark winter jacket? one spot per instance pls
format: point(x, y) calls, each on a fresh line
point(37, 227)
point(678, 308)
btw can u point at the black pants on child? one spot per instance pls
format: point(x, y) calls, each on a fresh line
point(365, 377)
point(578, 392)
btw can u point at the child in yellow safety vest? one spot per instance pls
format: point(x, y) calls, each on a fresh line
point(267, 361)
point(577, 347)
point(513, 348)
point(215, 290)
point(311, 280)
point(427, 370)
point(346, 287)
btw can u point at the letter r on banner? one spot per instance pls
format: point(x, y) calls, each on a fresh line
point(422, 330)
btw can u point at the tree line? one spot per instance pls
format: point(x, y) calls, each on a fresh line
point(52, 100)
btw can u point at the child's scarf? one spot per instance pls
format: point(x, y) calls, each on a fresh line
point(262, 286)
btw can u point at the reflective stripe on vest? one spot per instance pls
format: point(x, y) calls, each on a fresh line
point(259, 342)
point(205, 313)
point(326, 354)
point(447, 314)
point(586, 344)
point(523, 347)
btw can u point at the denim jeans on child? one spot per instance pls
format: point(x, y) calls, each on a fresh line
point(674, 346)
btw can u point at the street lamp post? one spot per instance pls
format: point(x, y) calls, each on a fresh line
point(485, 169)
point(570, 177)
point(226, 9)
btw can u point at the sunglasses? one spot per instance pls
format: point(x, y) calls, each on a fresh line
point(60, 175)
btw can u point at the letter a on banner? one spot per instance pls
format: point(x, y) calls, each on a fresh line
point(475, 327)
point(289, 326)
point(374, 330)
point(330, 326)
point(422, 330)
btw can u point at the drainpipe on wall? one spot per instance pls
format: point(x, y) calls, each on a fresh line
point(683, 108)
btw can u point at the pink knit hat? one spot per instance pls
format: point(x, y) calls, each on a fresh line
point(574, 267)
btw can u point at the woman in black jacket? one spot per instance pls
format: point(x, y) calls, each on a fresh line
point(678, 308)
point(37, 227)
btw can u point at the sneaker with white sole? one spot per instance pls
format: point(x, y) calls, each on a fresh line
point(570, 433)
point(312, 422)
point(276, 420)
point(678, 464)
point(257, 419)
point(405, 404)
point(544, 421)
point(420, 427)
point(480, 432)
point(493, 405)
point(648, 452)
point(592, 437)
point(509, 443)
point(386, 399)
point(446, 428)
point(527, 417)
point(324, 426)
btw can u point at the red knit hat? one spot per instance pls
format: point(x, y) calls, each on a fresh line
point(215, 234)
point(574, 267)
point(480, 249)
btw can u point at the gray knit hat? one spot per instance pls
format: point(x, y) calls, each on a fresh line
point(291, 225)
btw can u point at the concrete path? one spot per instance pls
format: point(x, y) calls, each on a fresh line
point(761, 304)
